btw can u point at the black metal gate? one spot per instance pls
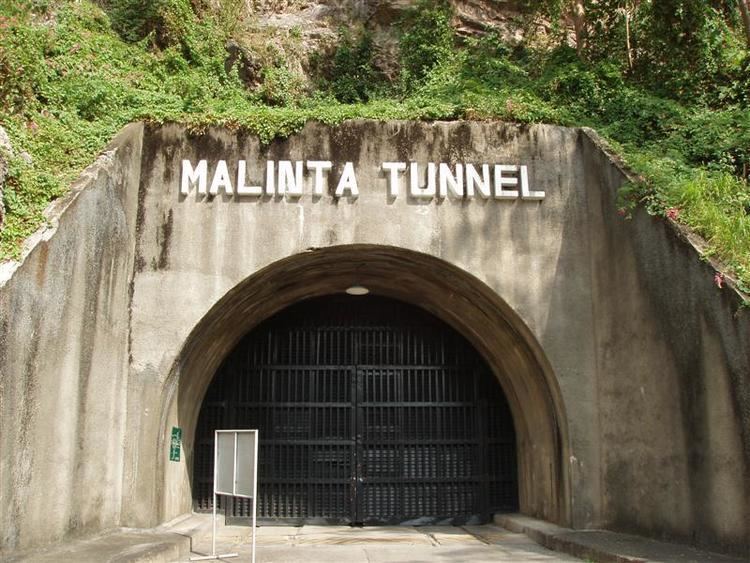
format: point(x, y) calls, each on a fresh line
point(370, 411)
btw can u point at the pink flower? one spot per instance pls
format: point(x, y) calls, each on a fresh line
point(719, 279)
point(673, 213)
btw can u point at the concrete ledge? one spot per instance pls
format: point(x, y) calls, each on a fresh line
point(606, 547)
point(120, 546)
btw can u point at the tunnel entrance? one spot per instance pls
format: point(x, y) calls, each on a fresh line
point(370, 411)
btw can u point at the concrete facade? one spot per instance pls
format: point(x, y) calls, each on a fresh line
point(627, 370)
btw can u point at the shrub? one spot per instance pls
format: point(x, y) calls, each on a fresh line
point(281, 86)
point(717, 139)
point(352, 71)
point(427, 39)
point(22, 65)
point(168, 22)
point(131, 19)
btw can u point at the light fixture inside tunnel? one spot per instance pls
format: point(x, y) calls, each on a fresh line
point(357, 290)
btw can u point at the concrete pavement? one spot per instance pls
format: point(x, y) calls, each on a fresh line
point(372, 545)
point(513, 538)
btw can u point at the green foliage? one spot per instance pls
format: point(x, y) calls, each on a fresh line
point(167, 23)
point(72, 74)
point(716, 139)
point(427, 39)
point(69, 87)
point(581, 85)
point(734, 88)
point(230, 14)
point(686, 47)
point(352, 72)
point(494, 62)
point(22, 65)
point(132, 19)
point(175, 24)
point(715, 205)
point(598, 95)
point(282, 86)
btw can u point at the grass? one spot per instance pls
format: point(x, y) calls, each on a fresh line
point(714, 205)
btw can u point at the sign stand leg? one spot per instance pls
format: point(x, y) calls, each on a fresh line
point(253, 531)
point(213, 543)
point(213, 536)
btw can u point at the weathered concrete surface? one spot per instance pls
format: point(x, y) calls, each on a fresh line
point(607, 547)
point(377, 544)
point(674, 352)
point(626, 369)
point(63, 359)
point(120, 546)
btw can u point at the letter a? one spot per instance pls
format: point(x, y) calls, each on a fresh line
point(348, 182)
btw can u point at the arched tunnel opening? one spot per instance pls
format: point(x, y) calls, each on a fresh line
point(370, 411)
point(446, 298)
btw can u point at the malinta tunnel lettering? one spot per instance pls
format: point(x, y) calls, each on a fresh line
point(293, 179)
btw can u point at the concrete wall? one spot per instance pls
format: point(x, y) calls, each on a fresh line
point(673, 358)
point(646, 363)
point(63, 359)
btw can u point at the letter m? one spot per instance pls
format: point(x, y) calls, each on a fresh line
point(191, 176)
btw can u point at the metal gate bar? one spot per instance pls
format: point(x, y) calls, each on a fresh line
point(370, 411)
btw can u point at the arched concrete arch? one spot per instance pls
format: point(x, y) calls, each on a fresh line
point(455, 296)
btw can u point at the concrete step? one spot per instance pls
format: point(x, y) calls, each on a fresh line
point(120, 546)
point(608, 547)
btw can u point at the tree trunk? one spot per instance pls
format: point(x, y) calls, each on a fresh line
point(628, 46)
point(578, 15)
point(745, 11)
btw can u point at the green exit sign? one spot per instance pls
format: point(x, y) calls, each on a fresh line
point(174, 444)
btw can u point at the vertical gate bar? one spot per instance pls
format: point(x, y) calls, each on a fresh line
point(357, 336)
point(354, 473)
point(482, 459)
point(273, 414)
point(229, 420)
point(290, 424)
point(401, 463)
point(445, 468)
point(314, 428)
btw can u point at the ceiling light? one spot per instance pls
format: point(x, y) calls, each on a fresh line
point(357, 290)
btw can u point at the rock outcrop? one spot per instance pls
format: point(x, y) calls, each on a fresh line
point(294, 31)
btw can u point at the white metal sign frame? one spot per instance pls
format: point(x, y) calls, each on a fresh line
point(238, 475)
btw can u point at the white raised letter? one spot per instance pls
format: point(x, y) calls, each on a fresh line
point(473, 180)
point(394, 168)
point(428, 192)
point(348, 182)
point(447, 178)
point(270, 177)
point(318, 166)
point(221, 179)
point(242, 189)
point(501, 181)
point(290, 178)
point(525, 193)
point(192, 175)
